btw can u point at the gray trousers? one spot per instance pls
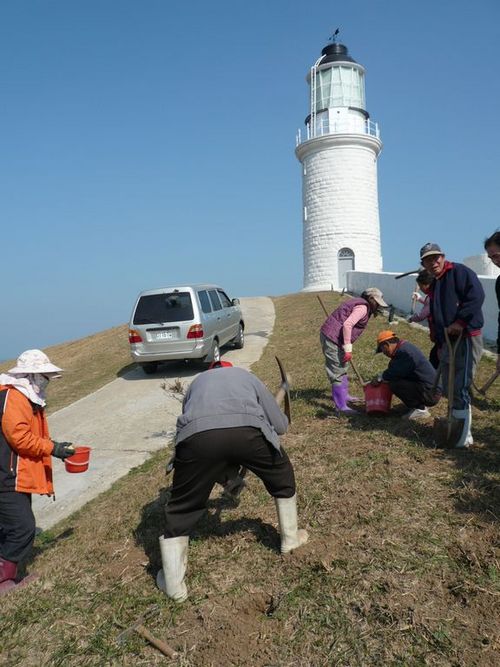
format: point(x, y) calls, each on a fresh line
point(467, 357)
point(334, 365)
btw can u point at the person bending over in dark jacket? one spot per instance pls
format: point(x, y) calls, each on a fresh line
point(456, 309)
point(410, 375)
point(229, 419)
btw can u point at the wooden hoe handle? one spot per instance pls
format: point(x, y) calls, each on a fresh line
point(157, 643)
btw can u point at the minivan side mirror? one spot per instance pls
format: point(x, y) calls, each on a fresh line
point(235, 302)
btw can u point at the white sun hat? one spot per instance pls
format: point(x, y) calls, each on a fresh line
point(34, 361)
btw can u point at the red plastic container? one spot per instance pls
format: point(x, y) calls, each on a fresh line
point(378, 399)
point(79, 462)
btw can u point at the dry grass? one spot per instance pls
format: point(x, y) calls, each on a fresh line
point(401, 569)
point(88, 363)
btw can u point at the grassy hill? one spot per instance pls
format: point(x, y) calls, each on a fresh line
point(402, 567)
point(88, 364)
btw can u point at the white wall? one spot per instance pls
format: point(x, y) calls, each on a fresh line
point(398, 293)
point(340, 206)
point(482, 265)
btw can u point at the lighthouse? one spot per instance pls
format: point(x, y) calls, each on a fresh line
point(338, 152)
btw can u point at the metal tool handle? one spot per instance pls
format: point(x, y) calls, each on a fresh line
point(408, 273)
point(284, 390)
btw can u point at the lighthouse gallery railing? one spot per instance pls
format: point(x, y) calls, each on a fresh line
point(323, 127)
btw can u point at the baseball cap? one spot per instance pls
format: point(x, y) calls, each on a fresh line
point(383, 337)
point(430, 249)
point(376, 294)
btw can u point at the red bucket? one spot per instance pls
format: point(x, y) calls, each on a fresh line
point(79, 462)
point(378, 399)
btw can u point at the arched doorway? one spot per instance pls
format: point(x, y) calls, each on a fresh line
point(346, 263)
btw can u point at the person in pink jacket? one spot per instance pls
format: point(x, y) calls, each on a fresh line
point(338, 333)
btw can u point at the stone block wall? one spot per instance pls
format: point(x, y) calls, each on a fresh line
point(340, 209)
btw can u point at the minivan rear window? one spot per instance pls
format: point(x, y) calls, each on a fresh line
point(166, 307)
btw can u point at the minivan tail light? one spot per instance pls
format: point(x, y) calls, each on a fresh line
point(196, 331)
point(134, 337)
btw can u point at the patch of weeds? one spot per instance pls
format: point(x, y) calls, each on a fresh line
point(102, 642)
point(441, 639)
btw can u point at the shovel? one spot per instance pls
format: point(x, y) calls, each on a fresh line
point(447, 430)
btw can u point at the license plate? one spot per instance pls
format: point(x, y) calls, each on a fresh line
point(164, 335)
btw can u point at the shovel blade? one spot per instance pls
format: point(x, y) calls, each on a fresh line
point(447, 433)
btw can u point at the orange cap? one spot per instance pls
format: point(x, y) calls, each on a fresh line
point(383, 337)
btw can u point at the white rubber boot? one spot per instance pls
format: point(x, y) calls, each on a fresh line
point(291, 536)
point(466, 436)
point(170, 579)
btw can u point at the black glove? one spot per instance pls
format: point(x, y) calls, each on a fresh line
point(63, 449)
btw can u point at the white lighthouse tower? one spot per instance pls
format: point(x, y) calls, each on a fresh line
point(339, 174)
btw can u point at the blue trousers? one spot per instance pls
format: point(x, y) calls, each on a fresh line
point(467, 357)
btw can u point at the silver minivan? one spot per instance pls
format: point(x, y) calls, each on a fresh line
point(183, 322)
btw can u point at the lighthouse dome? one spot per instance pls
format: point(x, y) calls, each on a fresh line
point(334, 53)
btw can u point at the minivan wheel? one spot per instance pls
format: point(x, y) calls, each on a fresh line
point(214, 352)
point(239, 340)
point(150, 367)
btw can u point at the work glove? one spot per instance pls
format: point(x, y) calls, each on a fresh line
point(347, 352)
point(63, 449)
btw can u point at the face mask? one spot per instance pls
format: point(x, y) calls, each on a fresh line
point(39, 383)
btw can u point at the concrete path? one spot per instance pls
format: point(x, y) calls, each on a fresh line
point(131, 417)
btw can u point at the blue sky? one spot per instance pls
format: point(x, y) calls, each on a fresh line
point(146, 143)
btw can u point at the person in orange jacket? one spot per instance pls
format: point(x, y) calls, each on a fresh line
point(26, 452)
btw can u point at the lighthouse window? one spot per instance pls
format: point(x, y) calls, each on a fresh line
point(339, 87)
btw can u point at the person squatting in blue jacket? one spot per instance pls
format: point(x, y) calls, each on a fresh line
point(456, 300)
point(410, 375)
